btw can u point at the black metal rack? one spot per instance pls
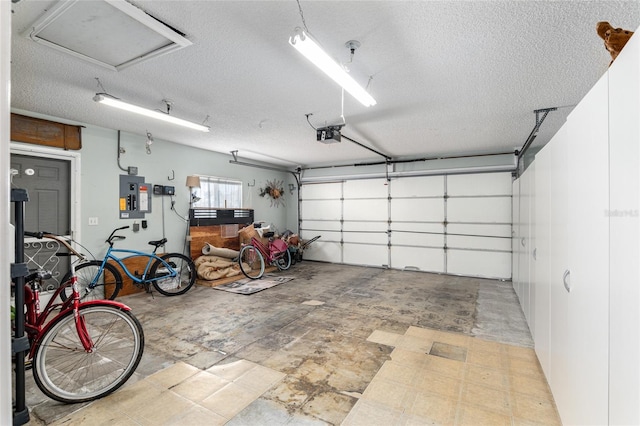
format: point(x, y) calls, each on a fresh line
point(19, 342)
point(203, 216)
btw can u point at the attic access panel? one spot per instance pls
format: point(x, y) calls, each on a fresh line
point(112, 33)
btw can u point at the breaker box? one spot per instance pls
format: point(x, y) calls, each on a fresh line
point(135, 197)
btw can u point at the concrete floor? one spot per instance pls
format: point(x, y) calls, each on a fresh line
point(314, 343)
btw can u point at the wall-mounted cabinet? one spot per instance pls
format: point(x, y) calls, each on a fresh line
point(579, 207)
point(624, 227)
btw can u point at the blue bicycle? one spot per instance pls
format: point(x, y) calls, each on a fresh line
point(171, 274)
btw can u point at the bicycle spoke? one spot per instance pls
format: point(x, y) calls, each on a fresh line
point(68, 373)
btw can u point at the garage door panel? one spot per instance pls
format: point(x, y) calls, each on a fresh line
point(321, 209)
point(480, 184)
point(417, 209)
point(324, 235)
point(423, 186)
point(366, 210)
point(380, 226)
point(485, 209)
point(479, 263)
point(366, 254)
point(421, 259)
point(321, 190)
point(417, 239)
point(480, 229)
point(323, 251)
point(320, 225)
point(486, 243)
point(365, 237)
point(366, 188)
point(418, 227)
point(477, 211)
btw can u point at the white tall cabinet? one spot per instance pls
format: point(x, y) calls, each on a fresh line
point(522, 244)
point(586, 278)
point(583, 197)
point(624, 225)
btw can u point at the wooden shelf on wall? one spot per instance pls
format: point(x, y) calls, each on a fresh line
point(44, 132)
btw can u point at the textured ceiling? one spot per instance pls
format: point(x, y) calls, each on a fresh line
point(450, 77)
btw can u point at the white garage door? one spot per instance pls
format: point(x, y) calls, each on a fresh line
point(457, 224)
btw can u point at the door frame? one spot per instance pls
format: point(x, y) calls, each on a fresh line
point(74, 175)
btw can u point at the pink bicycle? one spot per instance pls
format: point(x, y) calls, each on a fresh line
point(87, 349)
point(255, 255)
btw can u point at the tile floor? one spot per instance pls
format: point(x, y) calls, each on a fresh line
point(337, 345)
point(435, 377)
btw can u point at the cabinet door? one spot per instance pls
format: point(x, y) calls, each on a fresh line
point(515, 241)
point(588, 259)
point(558, 297)
point(541, 259)
point(624, 140)
point(526, 184)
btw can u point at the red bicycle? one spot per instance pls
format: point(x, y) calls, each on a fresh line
point(255, 255)
point(85, 351)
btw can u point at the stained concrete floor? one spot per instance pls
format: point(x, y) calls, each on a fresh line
point(313, 331)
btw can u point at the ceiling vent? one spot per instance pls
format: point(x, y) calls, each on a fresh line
point(112, 33)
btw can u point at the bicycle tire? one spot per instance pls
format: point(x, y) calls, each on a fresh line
point(108, 284)
point(283, 261)
point(65, 372)
point(179, 284)
point(251, 262)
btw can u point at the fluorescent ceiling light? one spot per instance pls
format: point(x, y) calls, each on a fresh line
point(103, 98)
point(305, 44)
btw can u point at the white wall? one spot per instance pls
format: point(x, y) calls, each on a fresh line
point(6, 235)
point(99, 186)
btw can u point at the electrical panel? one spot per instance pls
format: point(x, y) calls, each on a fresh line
point(135, 197)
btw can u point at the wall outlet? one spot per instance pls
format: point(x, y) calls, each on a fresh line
point(93, 221)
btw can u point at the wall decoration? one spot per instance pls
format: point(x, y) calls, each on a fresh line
point(274, 189)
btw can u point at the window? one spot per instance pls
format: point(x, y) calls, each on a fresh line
point(218, 192)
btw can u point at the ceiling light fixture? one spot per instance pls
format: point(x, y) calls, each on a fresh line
point(310, 48)
point(106, 99)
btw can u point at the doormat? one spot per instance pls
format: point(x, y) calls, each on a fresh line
point(248, 286)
